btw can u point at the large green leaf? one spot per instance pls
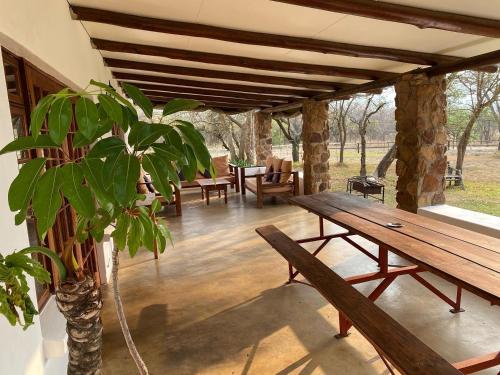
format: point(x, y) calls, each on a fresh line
point(106, 147)
point(167, 152)
point(60, 117)
point(190, 168)
point(194, 138)
point(148, 237)
point(143, 134)
point(111, 91)
point(38, 115)
point(158, 170)
point(27, 143)
point(112, 108)
point(51, 254)
point(173, 138)
point(139, 98)
point(121, 230)
point(93, 172)
point(178, 105)
point(125, 177)
point(134, 237)
point(77, 194)
point(108, 170)
point(87, 117)
point(47, 200)
point(22, 188)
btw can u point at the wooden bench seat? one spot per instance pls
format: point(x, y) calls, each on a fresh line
point(394, 342)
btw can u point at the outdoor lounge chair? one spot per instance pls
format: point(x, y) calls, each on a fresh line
point(279, 180)
point(144, 186)
point(223, 170)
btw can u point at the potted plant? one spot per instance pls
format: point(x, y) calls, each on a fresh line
point(101, 189)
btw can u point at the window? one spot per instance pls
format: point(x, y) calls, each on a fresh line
point(26, 85)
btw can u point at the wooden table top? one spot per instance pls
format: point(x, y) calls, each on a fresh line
point(465, 258)
point(211, 182)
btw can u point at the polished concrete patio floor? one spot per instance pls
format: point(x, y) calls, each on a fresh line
point(216, 303)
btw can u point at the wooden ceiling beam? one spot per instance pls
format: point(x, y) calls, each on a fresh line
point(219, 74)
point(201, 91)
point(420, 17)
point(207, 103)
point(230, 60)
point(471, 63)
point(203, 98)
point(216, 85)
point(266, 39)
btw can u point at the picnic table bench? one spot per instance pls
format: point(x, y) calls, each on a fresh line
point(390, 339)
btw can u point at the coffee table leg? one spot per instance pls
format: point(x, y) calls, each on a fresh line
point(218, 190)
point(207, 193)
point(202, 195)
point(225, 194)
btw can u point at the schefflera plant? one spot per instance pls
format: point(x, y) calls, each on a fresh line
point(101, 189)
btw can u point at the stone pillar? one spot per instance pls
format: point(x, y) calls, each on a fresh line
point(421, 141)
point(315, 140)
point(263, 136)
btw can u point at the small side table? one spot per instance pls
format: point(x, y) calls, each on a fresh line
point(208, 184)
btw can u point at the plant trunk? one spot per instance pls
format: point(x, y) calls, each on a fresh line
point(80, 303)
point(385, 163)
point(362, 170)
point(295, 151)
point(141, 366)
point(249, 139)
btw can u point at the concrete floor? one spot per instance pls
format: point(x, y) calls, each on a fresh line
point(216, 304)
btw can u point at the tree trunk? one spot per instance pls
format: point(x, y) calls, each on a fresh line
point(80, 303)
point(464, 140)
point(141, 366)
point(362, 171)
point(295, 151)
point(385, 163)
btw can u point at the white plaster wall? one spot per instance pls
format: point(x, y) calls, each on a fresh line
point(20, 351)
point(43, 32)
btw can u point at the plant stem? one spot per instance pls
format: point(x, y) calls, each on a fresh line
point(141, 366)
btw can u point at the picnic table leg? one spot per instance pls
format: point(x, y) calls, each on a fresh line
point(383, 259)
point(344, 325)
point(321, 227)
point(458, 301)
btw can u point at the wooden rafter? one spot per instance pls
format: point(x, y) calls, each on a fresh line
point(164, 99)
point(489, 59)
point(216, 85)
point(265, 39)
point(202, 91)
point(235, 76)
point(204, 98)
point(240, 61)
point(420, 17)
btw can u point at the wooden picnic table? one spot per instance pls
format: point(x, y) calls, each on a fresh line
point(467, 259)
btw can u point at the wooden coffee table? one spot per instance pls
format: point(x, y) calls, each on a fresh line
point(209, 184)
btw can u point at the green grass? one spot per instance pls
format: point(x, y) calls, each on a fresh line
point(481, 178)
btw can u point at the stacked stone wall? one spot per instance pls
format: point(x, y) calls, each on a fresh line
point(315, 140)
point(421, 141)
point(263, 136)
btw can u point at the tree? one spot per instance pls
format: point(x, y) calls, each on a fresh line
point(385, 162)
point(362, 120)
point(292, 130)
point(101, 189)
point(478, 91)
point(340, 114)
point(495, 112)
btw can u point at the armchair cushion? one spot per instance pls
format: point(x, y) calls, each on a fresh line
point(276, 168)
point(221, 165)
point(267, 187)
point(286, 169)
